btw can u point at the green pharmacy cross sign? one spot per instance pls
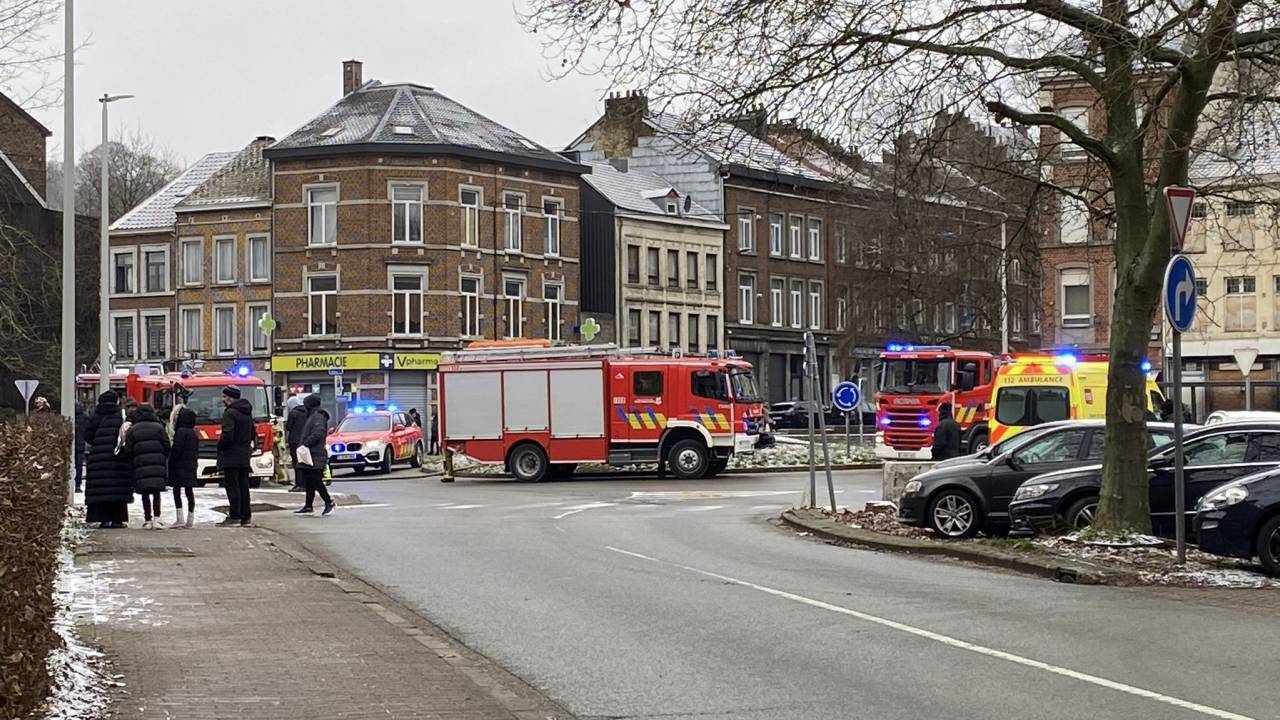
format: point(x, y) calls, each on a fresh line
point(589, 329)
point(267, 324)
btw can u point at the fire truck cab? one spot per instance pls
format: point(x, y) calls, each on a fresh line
point(541, 411)
point(914, 381)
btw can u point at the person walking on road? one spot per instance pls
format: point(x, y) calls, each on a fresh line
point(946, 437)
point(108, 483)
point(415, 417)
point(235, 445)
point(147, 447)
point(183, 460)
point(293, 424)
point(81, 423)
point(314, 434)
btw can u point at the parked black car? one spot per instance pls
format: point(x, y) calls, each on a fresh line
point(795, 415)
point(1242, 519)
point(961, 499)
point(1006, 445)
point(1214, 456)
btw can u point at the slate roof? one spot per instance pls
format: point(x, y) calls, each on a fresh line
point(412, 119)
point(729, 144)
point(246, 178)
point(157, 211)
point(640, 191)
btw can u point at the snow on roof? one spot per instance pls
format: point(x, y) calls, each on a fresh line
point(245, 178)
point(729, 144)
point(157, 211)
point(640, 191)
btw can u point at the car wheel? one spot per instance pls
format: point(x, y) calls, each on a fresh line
point(1269, 546)
point(529, 463)
point(1079, 514)
point(717, 466)
point(954, 514)
point(415, 460)
point(386, 462)
point(688, 459)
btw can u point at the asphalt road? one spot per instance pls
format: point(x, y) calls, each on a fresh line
point(637, 598)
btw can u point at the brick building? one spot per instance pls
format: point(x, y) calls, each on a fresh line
point(405, 223)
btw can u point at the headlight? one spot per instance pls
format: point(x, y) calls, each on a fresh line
point(373, 445)
point(911, 487)
point(1226, 497)
point(1029, 492)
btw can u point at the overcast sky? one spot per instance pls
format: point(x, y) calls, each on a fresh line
point(211, 75)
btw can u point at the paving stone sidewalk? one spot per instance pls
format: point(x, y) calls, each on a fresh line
point(213, 623)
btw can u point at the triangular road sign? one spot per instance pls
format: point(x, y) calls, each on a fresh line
point(1179, 201)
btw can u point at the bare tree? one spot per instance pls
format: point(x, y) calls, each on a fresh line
point(26, 55)
point(139, 167)
point(861, 71)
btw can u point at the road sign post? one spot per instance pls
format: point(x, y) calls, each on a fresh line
point(845, 397)
point(1180, 308)
point(1244, 361)
point(815, 408)
point(27, 388)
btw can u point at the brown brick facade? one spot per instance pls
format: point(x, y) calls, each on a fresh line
point(22, 139)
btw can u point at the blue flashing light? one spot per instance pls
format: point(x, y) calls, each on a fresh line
point(925, 422)
point(893, 347)
point(392, 408)
point(1065, 359)
point(1145, 366)
point(884, 421)
point(338, 447)
point(240, 369)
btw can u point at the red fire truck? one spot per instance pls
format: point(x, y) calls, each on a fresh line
point(543, 410)
point(203, 395)
point(914, 381)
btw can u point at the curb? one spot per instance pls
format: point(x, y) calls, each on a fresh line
point(653, 474)
point(340, 499)
point(1053, 568)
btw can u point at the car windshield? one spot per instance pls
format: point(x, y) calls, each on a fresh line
point(744, 385)
point(365, 423)
point(1014, 443)
point(1020, 406)
point(206, 403)
point(915, 376)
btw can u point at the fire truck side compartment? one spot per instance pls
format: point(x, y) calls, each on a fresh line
point(524, 400)
point(473, 405)
point(576, 403)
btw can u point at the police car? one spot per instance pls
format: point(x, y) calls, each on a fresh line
point(375, 438)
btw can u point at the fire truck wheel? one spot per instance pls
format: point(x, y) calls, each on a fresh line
point(978, 442)
point(528, 463)
point(688, 460)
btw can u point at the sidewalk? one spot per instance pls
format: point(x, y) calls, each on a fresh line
point(213, 623)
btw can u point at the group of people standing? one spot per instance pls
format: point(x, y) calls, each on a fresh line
point(306, 427)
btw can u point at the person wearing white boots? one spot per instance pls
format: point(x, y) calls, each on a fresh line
point(183, 459)
point(146, 444)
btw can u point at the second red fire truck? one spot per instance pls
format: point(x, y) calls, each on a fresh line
point(914, 381)
point(541, 411)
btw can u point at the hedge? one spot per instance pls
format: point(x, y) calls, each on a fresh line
point(35, 465)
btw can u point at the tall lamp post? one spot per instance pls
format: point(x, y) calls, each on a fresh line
point(104, 255)
point(68, 358)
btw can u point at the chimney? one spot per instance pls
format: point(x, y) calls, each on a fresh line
point(754, 122)
point(627, 108)
point(352, 76)
point(620, 164)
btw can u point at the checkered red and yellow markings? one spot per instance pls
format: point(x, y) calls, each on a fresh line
point(646, 418)
point(969, 412)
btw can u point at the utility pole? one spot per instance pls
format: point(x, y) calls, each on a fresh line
point(68, 385)
point(104, 253)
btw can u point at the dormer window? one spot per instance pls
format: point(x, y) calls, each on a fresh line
point(402, 130)
point(673, 207)
point(331, 132)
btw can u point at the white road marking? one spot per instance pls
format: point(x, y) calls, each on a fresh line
point(531, 506)
point(579, 508)
point(769, 507)
point(870, 492)
point(443, 505)
point(462, 507)
point(955, 642)
point(702, 508)
point(365, 506)
point(706, 494)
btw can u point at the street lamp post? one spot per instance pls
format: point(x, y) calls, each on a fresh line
point(68, 357)
point(104, 253)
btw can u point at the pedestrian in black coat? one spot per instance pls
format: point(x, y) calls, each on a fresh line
point(147, 446)
point(946, 437)
point(183, 461)
point(314, 435)
point(293, 438)
point(235, 446)
point(108, 487)
point(81, 423)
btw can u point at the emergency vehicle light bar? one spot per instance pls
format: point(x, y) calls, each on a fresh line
point(541, 353)
point(900, 347)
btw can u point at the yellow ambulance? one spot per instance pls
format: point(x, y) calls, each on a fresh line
point(1034, 389)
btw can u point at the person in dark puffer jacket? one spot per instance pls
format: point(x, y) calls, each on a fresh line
point(183, 461)
point(108, 476)
point(314, 438)
point(147, 445)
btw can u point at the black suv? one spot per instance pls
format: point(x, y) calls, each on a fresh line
point(958, 500)
point(1214, 456)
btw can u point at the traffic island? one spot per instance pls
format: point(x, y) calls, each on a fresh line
point(1065, 558)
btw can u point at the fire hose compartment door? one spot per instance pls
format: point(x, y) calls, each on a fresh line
point(524, 395)
point(473, 409)
point(577, 403)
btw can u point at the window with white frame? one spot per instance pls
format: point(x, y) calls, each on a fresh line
point(797, 237)
point(1015, 271)
point(777, 315)
point(653, 271)
point(797, 303)
point(691, 338)
point(406, 213)
point(654, 338)
point(322, 216)
point(511, 204)
point(259, 343)
point(633, 328)
point(1076, 298)
point(469, 199)
point(746, 230)
point(513, 290)
point(713, 332)
point(815, 305)
point(551, 211)
point(322, 304)
point(842, 310)
point(469, 287)
point(123, 271)
point(1073, 220)
point(259, 258)
point(815, 239)
point(776, 222)
point(408, 290)
point(1035, 320)
point(691, 270)
point(673, 269)
point(633, 264)
point(155, 270)
point(713, 272)
point(124, 330)
point(224, 260)
point(553, 296)
point(1077, 115)
point(1241, 304)
point(673, 329)
point(1015, 317)
point(746, 298)
point(224, 330)
point(155, 334)
point(192, 261)
point(842, 244)
point(949, 318)
point(192, 320)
